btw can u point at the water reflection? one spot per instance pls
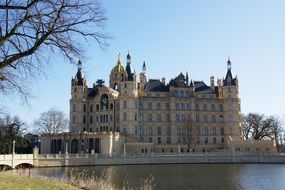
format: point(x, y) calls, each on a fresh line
point(194, 176)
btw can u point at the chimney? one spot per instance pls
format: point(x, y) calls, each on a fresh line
point(163, 81)
point(212, 82)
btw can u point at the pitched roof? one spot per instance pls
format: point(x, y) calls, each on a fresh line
point(156, 86)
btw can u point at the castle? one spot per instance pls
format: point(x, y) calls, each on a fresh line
point(140, 115)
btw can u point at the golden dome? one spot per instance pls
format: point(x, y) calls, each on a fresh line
point(119, 67)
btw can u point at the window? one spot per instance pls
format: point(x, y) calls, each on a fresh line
point(91, 119)
point(167, 117)
point(205, 130)
point(141, 130)
point(140, 117)
point(84, 119)
point(158, 117)
point(167, 106)
point(158, 130)
point(183, 117)
point(213, 118)
point(74, 119)
point(181, 93)
point(168, 140)
point(206, 140)
point(125, 104)
point(158, 106)
point(141, 105)
point(182, 106)
point(222, 140)
point(197, 107)
point(150, 117)
point(221, 107)
point(84, 107)
point(214, 132)
point(150, 139)
point(213, 107)
point(177, 106)
point(125, 116)
point(149, 105)
point(149, 130)
point(167, 130)
point(91, 108)
point(214, 140)
point(177, 117)
point(197, 118)
point(188, 106)
point(222, 131)
point(158, 140)
point(74, 107)
point(205, 118)
point(204, 107)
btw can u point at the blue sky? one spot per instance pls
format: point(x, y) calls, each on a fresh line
point(179, 36)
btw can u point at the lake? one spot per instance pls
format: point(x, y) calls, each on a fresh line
point(182, 176)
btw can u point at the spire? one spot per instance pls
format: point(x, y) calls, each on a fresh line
point(191, 84)
point(229, 64)
point(144, 67)
point(119, 58)
point(128, 59)
point(79, 65)
point(187, 78)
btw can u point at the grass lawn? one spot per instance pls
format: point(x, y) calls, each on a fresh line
point(11, 181)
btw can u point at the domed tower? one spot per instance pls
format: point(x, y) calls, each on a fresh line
point(117, 75)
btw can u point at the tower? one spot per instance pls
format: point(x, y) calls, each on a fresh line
point(78, 100)
point(143, 80)
point(117, 75)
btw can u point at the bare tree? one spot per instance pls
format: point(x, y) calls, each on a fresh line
point(51, 122)
point(31, 31)
point(12, 129)
point(258, 126)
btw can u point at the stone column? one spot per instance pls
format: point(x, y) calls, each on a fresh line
point(66, 147)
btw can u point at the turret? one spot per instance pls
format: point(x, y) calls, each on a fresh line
point(230, 84)
point(212, 83)
point(78, 83)
point(143, 80)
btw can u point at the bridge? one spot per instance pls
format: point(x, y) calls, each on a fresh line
point(14, 160)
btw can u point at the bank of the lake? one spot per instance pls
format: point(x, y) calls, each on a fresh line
point(180, 176)
point(10, 181)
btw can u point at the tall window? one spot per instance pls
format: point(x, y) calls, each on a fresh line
point(197, 107)
point(213, 107)
point(177, 106)
point(84, 119)
point(149, 117)
point(214, 132)
point(91, 119)
point(182, 106)
point(213, 118)
point(158, 105)
point(158, 117)
point(84, 107)
point(167, 106)
point(125, 104)
point(125, 116)
point(158, 130)
point(204, 107)
point(214, 140)
point(205, 118)
point(222, 131)
point(158, 140)
point(149, 130)
point(205, 130)
point(206, 140)
point(140, 105)
point(178, 117)
point(167, 117)
point(188, 106)
point(140, 117)
point(91, 108)
point(149, 105)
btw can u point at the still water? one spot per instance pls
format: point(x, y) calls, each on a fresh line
point(185, 176)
